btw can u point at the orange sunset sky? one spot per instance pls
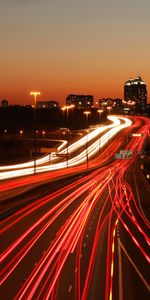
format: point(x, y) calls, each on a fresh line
point(62, 47)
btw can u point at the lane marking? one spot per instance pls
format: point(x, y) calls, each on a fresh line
point(70, 288)
point(135, 267)
point(138, 197)
point(120, 270)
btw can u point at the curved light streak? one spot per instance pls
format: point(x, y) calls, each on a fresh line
point(79, 158)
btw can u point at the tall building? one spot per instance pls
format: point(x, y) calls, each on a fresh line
point(80, 101)
point(135, 90)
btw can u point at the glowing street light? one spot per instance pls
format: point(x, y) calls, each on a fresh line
point(63, 110)
point(67, 108)
point(21, 133)
point(87, 113)
point(43, 133)
point(100, 111)
point(35, 94)
point(109, 108)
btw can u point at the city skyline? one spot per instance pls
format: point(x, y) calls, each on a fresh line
point(72, 47)
point(63, 102)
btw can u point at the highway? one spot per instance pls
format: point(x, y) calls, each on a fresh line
point(48, 163)
point(25, 183)
point(79, 235)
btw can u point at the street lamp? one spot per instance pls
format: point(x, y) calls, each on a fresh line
point(96, 103)
point(20, 133)
point(66, 108)
point(87, 113)
point(100, 111)
point(109, 109)
point(63, 116)
point(43, 133)
point(66, 121)
point(35, 94)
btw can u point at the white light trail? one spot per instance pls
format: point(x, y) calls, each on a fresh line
point(28, 168)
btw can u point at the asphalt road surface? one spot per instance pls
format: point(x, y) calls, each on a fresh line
point(85, 237)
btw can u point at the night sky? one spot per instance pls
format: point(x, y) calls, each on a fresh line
point(72, 46)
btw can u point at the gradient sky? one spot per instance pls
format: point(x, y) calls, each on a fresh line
point(72, 46)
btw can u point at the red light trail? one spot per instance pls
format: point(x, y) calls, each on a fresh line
point(76, 228)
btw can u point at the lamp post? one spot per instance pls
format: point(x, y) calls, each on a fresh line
point(87, 113)
point(109, 109)
point(20, 134)
point(35, 94)
point(43, 134)
point(66, 108)
point(100, 111)
point(63, 120)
